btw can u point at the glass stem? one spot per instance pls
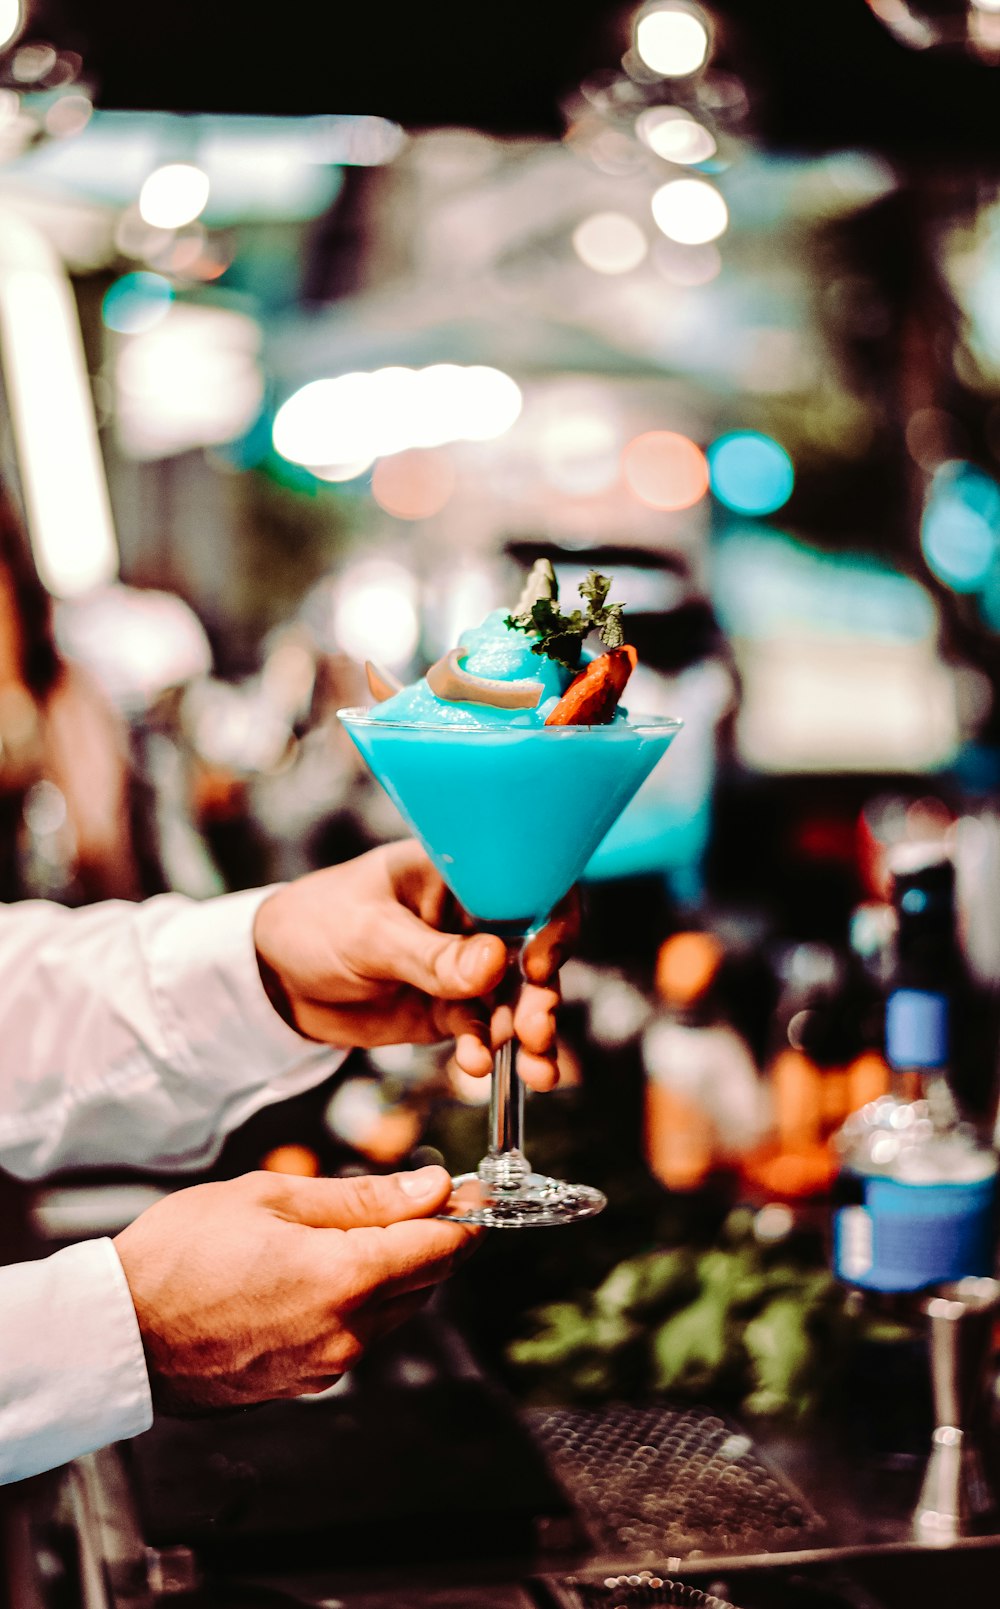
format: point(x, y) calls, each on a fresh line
point(505, 1166)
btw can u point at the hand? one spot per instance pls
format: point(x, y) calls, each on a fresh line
point(359, 958)
point(272, 1286)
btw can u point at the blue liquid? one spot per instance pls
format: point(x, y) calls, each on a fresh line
point(510, 816)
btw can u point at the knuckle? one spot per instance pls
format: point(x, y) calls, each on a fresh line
point(368, 1191)
point(258, 1185)
point(346, 1354)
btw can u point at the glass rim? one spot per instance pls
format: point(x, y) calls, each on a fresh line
point(643, 725)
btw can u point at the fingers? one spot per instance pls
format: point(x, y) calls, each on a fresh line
point(443, 965)
point(533, 1023)
point(547, 949)
point(408, 1257)
point(534, 1020)
point(368, 1201)
point(368, 1325)
point(539, 1072)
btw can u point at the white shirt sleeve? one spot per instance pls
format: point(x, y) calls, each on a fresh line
point(137, 1035)
point(72, 1370)
point(134, 1035)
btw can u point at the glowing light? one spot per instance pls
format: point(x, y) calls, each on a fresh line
point(134, 238)
point(413, 485)
point(960, 529)
point(327, 421)
point(68, 115)
point(375, 614)
point(174, 195)
point(493, 403)
point(136, 302)
point(579, 450)
point(360, 416)
point(397, 418)
point(191, 258)
point(335, 473)
point(750, 473)
point(193, 381)
point(665, 470)
point(690, 211)
point(610, 243)
point(932, 436)
point(687, 265)
point(675, 136)
point(10, 21)
point(58, 455)
point(672, 40)
point(33, 62)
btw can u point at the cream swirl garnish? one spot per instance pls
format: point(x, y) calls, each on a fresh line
point(450, 681)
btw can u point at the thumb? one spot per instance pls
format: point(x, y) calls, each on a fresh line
point(444, 965)
point(370, 1201)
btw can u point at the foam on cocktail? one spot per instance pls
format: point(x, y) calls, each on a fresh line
point(509, 808)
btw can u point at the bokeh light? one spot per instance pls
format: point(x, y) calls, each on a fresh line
point(672, 39)
point(193, 381)
point(174, 195)
point(579, 446)
point(750, 473)
point(665, 470)
point(491, 401)
point(687, 265)
point(610, 243)
point(414, 485)
point(933, 436)
point(690, 211)
point(675, 135)
point(960, 529)
point(194, 254)
point(68, 115)
point(136, 302)
point(328, 422)
point(32, 63)
point(336, 473)
point(10, 20)
point(362, 416)
point(375, 614)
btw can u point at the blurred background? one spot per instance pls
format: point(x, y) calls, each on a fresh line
point(316, 328)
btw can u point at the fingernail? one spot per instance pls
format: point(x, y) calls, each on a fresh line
point(422, 1183)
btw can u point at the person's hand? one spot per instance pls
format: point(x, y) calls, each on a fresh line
point(355, 956)
point(272, 1286)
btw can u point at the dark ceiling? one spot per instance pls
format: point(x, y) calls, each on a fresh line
point(821, 72)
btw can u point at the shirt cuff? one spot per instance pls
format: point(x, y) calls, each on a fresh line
point(72, 1369)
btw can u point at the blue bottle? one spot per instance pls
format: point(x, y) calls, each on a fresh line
point(917, 1196)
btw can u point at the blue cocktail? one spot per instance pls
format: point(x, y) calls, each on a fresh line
point(510, 814)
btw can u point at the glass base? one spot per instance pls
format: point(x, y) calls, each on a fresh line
point(536, 1203)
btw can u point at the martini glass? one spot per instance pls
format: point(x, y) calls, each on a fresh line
point(510, 816)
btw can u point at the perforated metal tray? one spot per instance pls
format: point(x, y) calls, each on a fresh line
point(657, 1483)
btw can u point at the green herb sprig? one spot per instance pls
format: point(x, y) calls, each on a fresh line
point(561, 636)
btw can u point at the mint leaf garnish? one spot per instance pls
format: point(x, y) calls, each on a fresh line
point(561, 636)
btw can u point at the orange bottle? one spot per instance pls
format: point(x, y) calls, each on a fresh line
point(702, 1094)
